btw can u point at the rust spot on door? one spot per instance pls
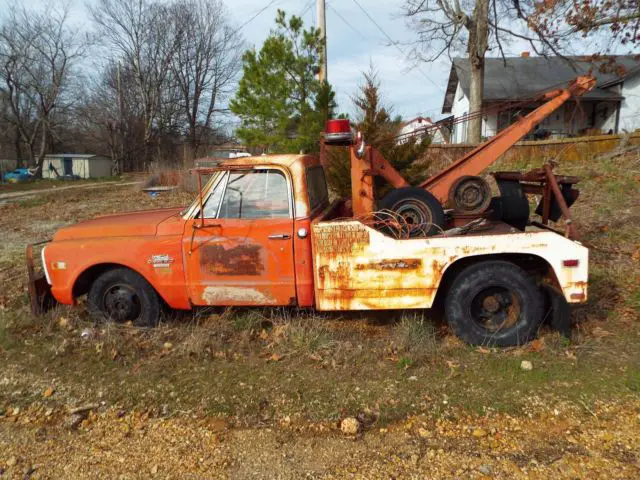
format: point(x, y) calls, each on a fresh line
point(391, 264)
point(239, 260)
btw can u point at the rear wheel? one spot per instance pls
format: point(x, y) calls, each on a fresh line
point(494, 303)
point(122, 295)
point(420, 210)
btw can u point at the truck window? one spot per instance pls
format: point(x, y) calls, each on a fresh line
point(255, 194)
point(213, 202)
point(316, 187)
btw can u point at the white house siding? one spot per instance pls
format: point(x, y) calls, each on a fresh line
point(83, 167)
point(459, 108)
point(630, 109)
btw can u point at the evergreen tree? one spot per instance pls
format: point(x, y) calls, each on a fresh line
point(281, 103)
point(381, 131)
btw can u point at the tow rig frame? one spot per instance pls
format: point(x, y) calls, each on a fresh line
point(459, 180)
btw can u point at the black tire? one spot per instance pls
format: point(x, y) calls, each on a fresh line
point(123, 295)
point(494, 303)
point(418, 207)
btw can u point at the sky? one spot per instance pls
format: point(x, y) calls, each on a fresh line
point(354, 43)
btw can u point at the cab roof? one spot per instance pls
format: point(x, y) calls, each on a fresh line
point(284, 160)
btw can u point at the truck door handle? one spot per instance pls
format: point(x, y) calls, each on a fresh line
point(279, 236)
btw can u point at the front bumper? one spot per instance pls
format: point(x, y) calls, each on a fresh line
point(40, 296)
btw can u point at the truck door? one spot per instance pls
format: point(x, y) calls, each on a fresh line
point(243, 253)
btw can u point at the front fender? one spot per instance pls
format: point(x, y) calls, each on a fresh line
point(157, 259)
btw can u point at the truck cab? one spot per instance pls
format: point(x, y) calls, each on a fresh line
point(263, 232)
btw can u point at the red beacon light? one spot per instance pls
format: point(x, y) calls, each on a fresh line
point(338, 132)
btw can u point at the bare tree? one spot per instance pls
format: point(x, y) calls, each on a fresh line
point(37, 53)
point(144, 36)
point(206, 65)
point(609, 24)
point(449, 27)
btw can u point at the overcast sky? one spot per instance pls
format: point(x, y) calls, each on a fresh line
point(351, 48)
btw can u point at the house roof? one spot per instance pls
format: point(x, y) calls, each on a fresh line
point(418, 119)
point(527, 77)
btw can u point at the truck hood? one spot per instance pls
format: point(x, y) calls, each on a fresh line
point(142, 223)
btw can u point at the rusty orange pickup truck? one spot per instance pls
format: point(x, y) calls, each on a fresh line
point(264, 233)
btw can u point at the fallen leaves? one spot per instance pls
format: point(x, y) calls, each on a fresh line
point(479, 433)
point(274, 358)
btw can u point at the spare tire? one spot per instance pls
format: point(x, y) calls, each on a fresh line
point(419, 208)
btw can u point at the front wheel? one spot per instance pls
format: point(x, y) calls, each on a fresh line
point(494, 303)
point(122, 295)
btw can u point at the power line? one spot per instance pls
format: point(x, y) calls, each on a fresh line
point(256, 15)
point(347, 23)
point(395, 44)
point(306, 9)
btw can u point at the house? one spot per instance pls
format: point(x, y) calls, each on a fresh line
point(77, 164)
point(612, 106)
point(439, 131)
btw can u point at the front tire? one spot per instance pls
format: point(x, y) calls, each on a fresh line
point(494, 303)
point(123, 295)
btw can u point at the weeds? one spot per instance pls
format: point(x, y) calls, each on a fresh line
point(633, 380)
point(415, 335)
point(301, 333)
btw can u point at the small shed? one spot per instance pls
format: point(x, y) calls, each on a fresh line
point(84, 165)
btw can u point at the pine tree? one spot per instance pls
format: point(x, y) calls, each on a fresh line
point(379, 130)
point(281, 104)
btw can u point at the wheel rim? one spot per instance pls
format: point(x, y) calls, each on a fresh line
point(121, 303)
point(471, 194)
point(414, 212)
point(496, 308)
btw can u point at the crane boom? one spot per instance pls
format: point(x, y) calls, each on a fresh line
point(488, 152)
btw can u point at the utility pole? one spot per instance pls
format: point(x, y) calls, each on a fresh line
point(322, 25)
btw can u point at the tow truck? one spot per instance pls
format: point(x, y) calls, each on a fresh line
point(263, 232)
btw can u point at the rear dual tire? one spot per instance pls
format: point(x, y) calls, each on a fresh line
point(494, 303)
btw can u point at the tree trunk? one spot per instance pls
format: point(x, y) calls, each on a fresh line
point(17, 142)
point(478, 44)
point(475, 102)
point(43, 151)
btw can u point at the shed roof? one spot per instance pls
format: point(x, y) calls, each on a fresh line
point(87, 156)
point(527, 77)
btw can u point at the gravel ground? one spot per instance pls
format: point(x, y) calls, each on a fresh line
point(563, 442)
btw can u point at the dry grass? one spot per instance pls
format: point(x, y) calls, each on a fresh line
point(321, 367)
point(415, 336)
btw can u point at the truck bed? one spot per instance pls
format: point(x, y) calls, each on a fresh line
point(359, 268)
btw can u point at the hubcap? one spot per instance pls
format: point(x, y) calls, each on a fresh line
point(495, 308)
point(121, 303)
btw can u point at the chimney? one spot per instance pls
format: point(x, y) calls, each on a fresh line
point(525, 54)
